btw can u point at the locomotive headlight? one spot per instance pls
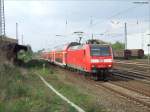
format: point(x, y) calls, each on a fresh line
point(94, 60)
point(107, 60)
point(109, 65)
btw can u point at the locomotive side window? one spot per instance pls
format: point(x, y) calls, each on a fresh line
point(100, 51)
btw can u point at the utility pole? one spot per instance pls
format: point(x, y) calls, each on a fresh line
point(148, 57)
point(148, 45)
point(91, 24)
point(66, 28)
point(140, 34)
point(125, 35)
point(92, 36)
point(66, 25)
point(17, 32)
point(2, 19)
point(142, 41)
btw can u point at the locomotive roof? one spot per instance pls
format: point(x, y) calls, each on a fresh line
point(81, 46)
point(65, 46)
point(100, 44)
point(75, 45)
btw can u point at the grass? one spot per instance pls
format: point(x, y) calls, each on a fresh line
point(24, 92)
point(72, 92)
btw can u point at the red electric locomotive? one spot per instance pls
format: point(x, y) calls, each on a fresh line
point(95, 59)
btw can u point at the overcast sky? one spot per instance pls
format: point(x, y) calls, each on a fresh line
point(41, 20)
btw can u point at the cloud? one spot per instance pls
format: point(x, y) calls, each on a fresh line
point(39, 8)
point(40, 21)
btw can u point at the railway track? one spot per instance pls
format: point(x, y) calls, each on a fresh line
point(129, 94)
point(141, 66)
point(132, 75)
point(133, 62)
point(131, 85)
point(133, 94)
point(133, 70)
point(141, 98)
point(134, 67)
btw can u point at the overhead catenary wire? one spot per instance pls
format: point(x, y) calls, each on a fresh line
point(92, 24)
point(119, 13)
point(114, 15)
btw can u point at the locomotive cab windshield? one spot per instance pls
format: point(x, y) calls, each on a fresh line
point(100, 50)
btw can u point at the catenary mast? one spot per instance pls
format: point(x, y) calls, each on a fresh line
point(2, 19)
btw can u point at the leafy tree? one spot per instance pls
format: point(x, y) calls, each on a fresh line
point(118, 46)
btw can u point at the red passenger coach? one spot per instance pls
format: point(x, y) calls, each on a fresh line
point(51, 56)
point(60, 54)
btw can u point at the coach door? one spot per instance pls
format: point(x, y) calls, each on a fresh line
point(64, 58)
point(84, 59)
